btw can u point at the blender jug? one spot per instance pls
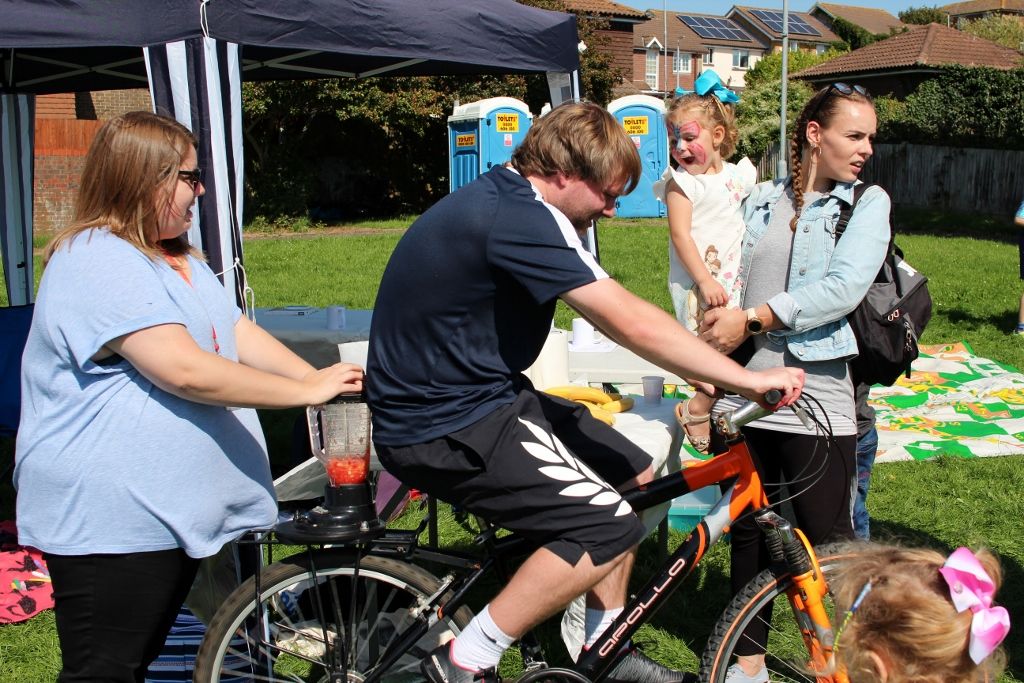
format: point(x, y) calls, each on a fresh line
point(339, 434)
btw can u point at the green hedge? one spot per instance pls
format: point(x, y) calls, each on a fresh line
point(962, 107)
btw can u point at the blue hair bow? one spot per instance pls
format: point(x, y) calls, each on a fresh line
point(708, 83)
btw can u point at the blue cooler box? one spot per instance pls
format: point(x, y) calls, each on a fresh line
point(687, 511)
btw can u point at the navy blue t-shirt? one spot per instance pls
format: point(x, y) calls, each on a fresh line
point(465, 305)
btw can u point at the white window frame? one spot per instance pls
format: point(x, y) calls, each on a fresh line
point(794, 46)
point(709, 57)
point(740, 59)
point(682, 62)
point(651, 68)
point(821, 49)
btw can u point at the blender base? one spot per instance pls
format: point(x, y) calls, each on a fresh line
point(347, 514)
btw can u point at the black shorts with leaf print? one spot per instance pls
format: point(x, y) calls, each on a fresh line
point(542, 467)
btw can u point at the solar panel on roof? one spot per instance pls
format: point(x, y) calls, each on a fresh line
point(713, 27)
point(773, 20)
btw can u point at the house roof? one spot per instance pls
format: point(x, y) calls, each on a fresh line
point(976, 6)
point(930, 45)
point(870, 19)
point(678, 33)
point(603, 8)
point(826, 36)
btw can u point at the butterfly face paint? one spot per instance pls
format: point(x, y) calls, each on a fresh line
point(692, 146)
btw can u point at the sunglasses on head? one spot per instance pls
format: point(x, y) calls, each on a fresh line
point(843, 89)
point(193, 177)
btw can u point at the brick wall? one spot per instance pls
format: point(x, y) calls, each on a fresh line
point(64, 127)
point(617, 40)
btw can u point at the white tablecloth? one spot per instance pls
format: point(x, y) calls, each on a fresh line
point(303, 329)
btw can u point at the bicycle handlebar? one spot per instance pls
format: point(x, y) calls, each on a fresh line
point(729, 424)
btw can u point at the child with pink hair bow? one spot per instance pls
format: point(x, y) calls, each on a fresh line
point(913, 615)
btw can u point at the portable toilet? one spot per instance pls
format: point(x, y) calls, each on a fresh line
point(643, 117)
point(484, 134)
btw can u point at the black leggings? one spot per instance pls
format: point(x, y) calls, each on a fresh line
point(819, 485)
point(113, 612)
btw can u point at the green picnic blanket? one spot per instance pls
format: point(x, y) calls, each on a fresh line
point(954, 403)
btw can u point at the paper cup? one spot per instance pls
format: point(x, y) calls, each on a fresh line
point(582, 332)
point(335, 317)
point(654, 385)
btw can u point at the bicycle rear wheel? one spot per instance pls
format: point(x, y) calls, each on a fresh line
point(786, 657)
point(304, 631)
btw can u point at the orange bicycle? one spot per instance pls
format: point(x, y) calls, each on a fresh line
point(365, 609)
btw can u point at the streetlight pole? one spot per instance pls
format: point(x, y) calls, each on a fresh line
point(664, 45)
point(782, 167)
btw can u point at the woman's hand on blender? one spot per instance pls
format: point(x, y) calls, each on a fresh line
point(790, 381)
point(340, 378)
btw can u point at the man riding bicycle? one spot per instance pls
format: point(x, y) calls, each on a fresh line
point(464, 306)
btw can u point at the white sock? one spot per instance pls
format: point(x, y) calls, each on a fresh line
point(596, 621)
point(481, 645)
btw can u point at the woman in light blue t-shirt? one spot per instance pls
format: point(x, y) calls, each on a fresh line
point(139, 451)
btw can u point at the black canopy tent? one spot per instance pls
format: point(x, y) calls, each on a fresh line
point(194, 55)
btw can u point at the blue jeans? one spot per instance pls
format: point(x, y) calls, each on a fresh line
point(867, 445)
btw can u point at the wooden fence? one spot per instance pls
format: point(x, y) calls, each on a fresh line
point(989, 181)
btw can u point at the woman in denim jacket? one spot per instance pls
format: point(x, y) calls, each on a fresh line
point(799, 284)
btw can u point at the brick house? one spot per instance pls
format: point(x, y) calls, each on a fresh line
point(616, 35)
point(960, 12)
point(874, 21)
point(897, 65)
point(695, 43)
point(806, 33)
point(64, 127)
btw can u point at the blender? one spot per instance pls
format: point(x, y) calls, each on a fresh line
point(339, 434)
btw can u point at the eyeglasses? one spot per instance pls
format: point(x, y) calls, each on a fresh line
point(193, 177)
point(841, 88)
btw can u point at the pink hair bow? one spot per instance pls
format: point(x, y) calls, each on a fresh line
point(970, 587)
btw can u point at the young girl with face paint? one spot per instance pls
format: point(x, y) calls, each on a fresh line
point(703, 195)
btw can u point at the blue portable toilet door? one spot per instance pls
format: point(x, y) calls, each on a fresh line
point(645, 125)
point(501, 132)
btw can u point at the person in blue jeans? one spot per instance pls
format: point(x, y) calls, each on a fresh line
point(867, 446)
point(1018, 220)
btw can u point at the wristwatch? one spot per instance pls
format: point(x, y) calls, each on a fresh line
point(754, 323)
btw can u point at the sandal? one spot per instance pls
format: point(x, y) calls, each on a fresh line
point(701, 444)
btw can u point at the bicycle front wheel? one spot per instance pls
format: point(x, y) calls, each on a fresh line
point(786, 656)
point(325, 625)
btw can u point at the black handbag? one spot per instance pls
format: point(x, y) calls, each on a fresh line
point(890, 319)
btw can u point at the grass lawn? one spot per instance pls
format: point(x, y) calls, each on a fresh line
point(972, 265)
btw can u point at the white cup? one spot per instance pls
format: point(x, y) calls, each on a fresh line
point(582, 332)
point(654, 385)
point(335, 317)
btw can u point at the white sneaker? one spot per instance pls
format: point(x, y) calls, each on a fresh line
point(735, 674)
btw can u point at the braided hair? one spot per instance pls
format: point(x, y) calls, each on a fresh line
point(822, 106)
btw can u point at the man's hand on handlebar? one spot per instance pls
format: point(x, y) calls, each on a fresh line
point(789, 381)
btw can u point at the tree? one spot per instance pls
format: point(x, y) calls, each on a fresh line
point(769, 67)
point(854, 36)
point(758, 111)
point(334, 149)
point(923, 15)
point(1005, 29)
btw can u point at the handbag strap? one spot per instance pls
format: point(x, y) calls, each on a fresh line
point(846, 213)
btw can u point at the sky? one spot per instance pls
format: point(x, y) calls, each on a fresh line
point(722, 6)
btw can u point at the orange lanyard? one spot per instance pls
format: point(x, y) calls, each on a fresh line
point(174, 264)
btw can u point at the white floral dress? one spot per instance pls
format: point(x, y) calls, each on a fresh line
point(717, 229)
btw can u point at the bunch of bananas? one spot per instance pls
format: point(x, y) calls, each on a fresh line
point(602, 405)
